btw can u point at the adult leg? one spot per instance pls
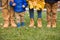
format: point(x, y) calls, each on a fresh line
point(12, 14)
point(5, 13)
point(54, 16)
point(48, 6)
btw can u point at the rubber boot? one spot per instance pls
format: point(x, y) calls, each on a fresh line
point(18, 24)
point(22, 24)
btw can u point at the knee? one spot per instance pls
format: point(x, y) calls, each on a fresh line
point(39, 14)
point(22, 14)
point(54, 12)
point(48, 11)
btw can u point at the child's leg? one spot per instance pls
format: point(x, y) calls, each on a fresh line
point(22, 18)
point(54, 16)
point(17, 15)
point(39, 14)
point(39, 22)
point(31, 12)
point(48, 6)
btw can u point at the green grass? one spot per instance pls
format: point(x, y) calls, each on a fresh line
point(26, 33)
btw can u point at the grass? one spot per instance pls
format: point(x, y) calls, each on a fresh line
point(26, 33)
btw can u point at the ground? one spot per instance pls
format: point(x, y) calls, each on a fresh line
point(26, 33)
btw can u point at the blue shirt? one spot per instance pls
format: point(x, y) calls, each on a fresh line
point(18, 7)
